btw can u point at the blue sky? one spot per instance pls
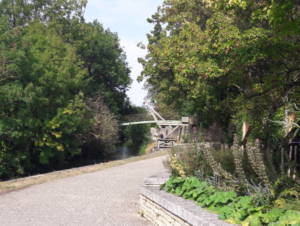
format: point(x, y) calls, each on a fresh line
point(128, 19)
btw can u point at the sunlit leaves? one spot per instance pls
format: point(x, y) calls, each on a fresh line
point(225, 52)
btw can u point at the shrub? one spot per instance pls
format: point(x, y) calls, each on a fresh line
point(229, 205)
point(241, 169)
point(190, 159)
point(102, 135)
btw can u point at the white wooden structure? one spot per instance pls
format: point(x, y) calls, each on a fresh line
point(170, 131)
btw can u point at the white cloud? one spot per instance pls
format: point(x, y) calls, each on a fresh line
point(128, 19)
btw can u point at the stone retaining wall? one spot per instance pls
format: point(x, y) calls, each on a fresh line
point(158, 215)
point(165, 209)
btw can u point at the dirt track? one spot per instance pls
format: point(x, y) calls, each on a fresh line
point(107, 197)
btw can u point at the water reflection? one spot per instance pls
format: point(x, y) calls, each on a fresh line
point(122, 153)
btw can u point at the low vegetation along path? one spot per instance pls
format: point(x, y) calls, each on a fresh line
point(106, 197)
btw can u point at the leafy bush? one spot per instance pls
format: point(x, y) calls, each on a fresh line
point(230, 207)
point(243, 170)
point(53, 68)
point(191, 159)
point(194, 162)
point(42, 108)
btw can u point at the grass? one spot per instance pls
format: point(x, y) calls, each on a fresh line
point(17, 184)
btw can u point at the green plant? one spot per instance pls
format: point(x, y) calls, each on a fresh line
point(215, 166)
point(238, 154)
point(256, 160)
point(191, 159)
point(222, 167)
point(244, 210)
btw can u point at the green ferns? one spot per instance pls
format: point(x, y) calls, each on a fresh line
point(229, 205)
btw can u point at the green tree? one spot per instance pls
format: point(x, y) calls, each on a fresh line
point(22, 12)
point(105, 61)
point(43, 106)
point(63, 86)
point(225, 60)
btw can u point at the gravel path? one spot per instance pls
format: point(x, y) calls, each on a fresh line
point(107, 197)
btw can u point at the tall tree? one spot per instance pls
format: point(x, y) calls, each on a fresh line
point(226, 60)
point(105, 61)
point(22, 12)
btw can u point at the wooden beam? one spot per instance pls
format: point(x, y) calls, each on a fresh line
point(159, 123)
point(138, 123)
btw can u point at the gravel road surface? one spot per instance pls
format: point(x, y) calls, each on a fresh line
point(106, 197)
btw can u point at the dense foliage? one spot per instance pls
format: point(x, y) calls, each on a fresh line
point(63, 86)
point(245, 210)
point(226, 61)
